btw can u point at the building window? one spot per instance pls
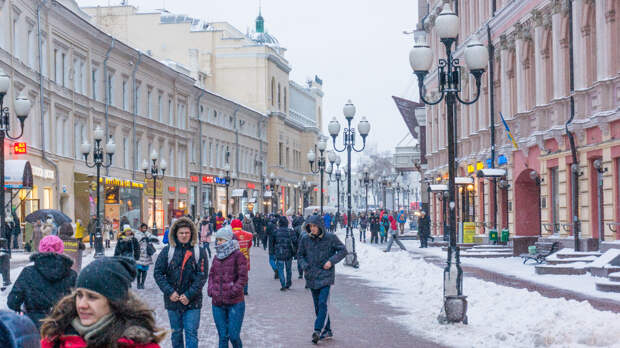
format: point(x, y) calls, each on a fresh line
point(125, 152)
point(170, 113)
point(285, 100)
point(160, 108)
point(279, 99)
point(109, 88)
point(16, 39)
point(138, 93)
point(95, 72)
point(555, 199)
point(44, 56)
point(149, 100)
point(273, 91)
point(31, 48)
point(280, 154)
point(125, 97)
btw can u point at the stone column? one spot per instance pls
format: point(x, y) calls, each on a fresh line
point(520, 56)
point(539, 65)
point(559, 78)
point(505, 85)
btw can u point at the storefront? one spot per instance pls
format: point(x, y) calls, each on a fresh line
point(122, 200)
point(18, 183)
point(214, 195)
point(159, 205)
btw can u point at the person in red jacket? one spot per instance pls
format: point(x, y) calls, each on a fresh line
point(219, 221)
point(394, 234)
point(245, 243)
point(102, 312)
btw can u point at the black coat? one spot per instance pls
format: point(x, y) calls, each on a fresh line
point(374, 224)
point(424, 226)
point(40, 286)
point(258, 225)
point(314, 252)
point(285, 243)
point(271, 234)
point(128, 247)
point(186, 280)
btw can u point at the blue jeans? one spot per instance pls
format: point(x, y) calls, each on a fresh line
point(320, 297)
point(281, 264)
point(228, 320)
point(272, 262)
point(184, 322)
point(205, 245)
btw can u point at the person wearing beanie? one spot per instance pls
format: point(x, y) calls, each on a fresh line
point(270, 231)
point(127, 245)
point(102, 312)
point(17, 331)
point(145, 240)
point(285, 248)
point(40, 286)
point(227, 279)
point(245, 243)
point(181, 273)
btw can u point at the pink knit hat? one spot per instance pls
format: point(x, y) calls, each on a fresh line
point(51, 244)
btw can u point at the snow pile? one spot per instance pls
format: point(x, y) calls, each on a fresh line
point(498, 316)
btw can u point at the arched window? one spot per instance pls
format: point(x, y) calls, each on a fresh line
point(273, 91)
point(279, 99)
point(285, 108)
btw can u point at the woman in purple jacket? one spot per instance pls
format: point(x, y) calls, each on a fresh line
point(227, 278)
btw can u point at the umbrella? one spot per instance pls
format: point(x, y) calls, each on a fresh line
point(41, 214)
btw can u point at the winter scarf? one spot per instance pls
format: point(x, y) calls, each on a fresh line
point(223, 250)
point(88, 332)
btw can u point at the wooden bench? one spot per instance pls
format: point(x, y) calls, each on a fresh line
point(542, 251)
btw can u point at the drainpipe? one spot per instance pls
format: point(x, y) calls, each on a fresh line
point(573, 148)
point(200, 202)
point(107, 96)
point(42, 105)
point(236, 144)
point(135, 115)
point(492, 114)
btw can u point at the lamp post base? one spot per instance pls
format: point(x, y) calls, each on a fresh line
point(454, 308)
point(99, 246)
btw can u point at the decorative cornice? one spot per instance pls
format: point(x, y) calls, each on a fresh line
point(537, 17)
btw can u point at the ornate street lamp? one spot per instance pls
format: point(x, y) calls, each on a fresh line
point(274, 186)
point(22, 108)
point(321, 164)
point(228, 180)
point(349, 145)
point(339, 178)
point(366, 179)
point(98, 162)
point(157, 171)
point(449, 76)
point(305, 189)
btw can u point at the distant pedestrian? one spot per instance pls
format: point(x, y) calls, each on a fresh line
point(394, 234)
point(91, 229)
point(401, 219)
point(49, 227)
point(181, 273)
point(285, 248)
point(363, 223)
point(227, 278)
point(385, 227)
point(318, 253)
point(244, 238)
point(102, 312)
point(271, 236)
point(424, 229)
point(375, 227)
point(127, 245)
point(205, 231)
point(40, 286)
point(147, 250)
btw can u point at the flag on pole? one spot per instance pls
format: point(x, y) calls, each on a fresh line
point(512, 139)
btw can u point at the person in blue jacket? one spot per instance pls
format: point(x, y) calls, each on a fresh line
point(327, 219)
point(401, 219)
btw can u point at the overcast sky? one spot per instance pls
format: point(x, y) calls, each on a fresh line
point(356, 46)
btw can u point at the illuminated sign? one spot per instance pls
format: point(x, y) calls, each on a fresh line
point(183, 190)
point(193, 178)
point(121, 183)
point(171, 188)
point(479, 166)
point(470, 168)
point(218, 180)
point(251, 185)
point(20, 148)
point(502, 160)
point(207, 179)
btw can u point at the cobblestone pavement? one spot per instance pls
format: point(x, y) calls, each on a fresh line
point(277, 319)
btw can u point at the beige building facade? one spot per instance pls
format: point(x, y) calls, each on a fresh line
point(249, 68)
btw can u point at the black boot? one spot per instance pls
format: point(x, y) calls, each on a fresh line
point(275, 275)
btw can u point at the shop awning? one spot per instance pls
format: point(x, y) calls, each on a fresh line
point(239, 193)
point(17, 174)
point(439, 187)
point(463, 180)
point(267, 194)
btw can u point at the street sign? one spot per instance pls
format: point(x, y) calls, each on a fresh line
point(20, 148)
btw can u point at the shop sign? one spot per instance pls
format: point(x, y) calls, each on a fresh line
point(20, 148)
point(42, 173)
point(193, 178)
point(148, 188)
point(111, 194)
point(183, 190)
point(470, 168)
point(171, 189)
point(479, 166)
point(316, 189)
point(121, 183)
point(207, 179)
point(221, 181)
point(251, 185)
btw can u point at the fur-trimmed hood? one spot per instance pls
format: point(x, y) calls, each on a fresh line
point(172, 238)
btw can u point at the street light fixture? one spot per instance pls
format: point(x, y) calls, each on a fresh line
point(363, 128)
point(449, 78)
point(22, 108)
point(339, 178)
point(157, 171)
point(98, 162)
point(366, 179)
point(274, 186)
point(320, 167)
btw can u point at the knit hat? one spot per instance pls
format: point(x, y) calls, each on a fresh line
point(236, 223)
point(109, 276)
point(224, 233)
point(51, 244)
point(126, 228)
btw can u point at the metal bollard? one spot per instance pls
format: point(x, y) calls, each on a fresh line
point(5, 263)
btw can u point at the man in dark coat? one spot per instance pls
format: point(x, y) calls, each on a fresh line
point(181, 272)
point(40, 286)
point(424, 229)
point(318, 254)
point(285, 242)
point(258, 228)
point(375, 227)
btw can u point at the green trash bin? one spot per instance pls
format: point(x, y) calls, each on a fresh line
point(505, 236)
point(493, 235)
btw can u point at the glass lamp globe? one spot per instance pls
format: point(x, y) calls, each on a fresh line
point(321, 145)
point(447, 23)
point(22, 106)
point(364, 127)
point(98, 134)
point(163, 165)
point(110, 147)
point(85, 148)
point(333, 127)
point(5, 82)
point(349, 110)
point(476, 55)
point(421, 56)
point(145, 165)
point(311, 156)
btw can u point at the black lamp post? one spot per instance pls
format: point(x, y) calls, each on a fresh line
point(449, 82)
point(338, 178)
point(321, 167)
point(349, 146)
point(22, 108)
point(274, 186)
point(384, 182)
point(229, 180)
point(367, 179)
point(157, 171)
point(305, 188)
point(98, 162)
